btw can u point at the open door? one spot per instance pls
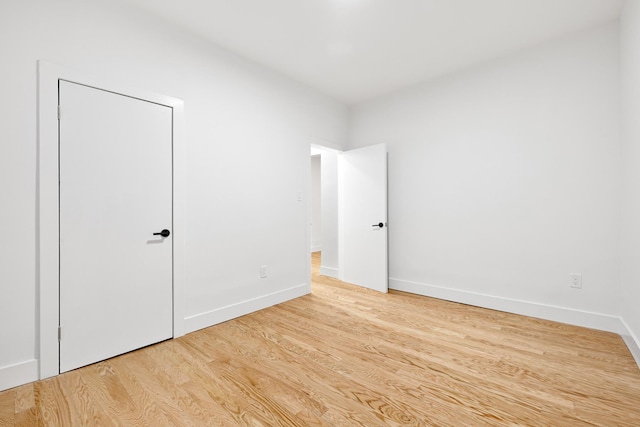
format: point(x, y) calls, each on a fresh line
point(364, 217)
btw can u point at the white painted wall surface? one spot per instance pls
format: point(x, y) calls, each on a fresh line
point(505, 178)
point(630, 71)
point(330, 232)
point(247, 132)
point(316, 203)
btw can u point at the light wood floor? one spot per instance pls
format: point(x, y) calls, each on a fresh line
point(345, 356)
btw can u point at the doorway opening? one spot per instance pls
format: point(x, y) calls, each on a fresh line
point(324, 207)
point(348, 214)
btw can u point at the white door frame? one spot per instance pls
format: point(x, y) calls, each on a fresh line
point(47, 208)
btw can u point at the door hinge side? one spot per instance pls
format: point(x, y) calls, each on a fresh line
point(59, 333)
point(58, 112)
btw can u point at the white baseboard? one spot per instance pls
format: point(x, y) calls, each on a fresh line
point(18, 374)
point(632, 342)
point(222, 314)
point(329, 271)
point(317, 248)
point(603, 322)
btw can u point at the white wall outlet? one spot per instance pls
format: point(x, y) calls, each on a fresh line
point(263, 271)
point(575, 281)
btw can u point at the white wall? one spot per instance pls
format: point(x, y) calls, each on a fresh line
point(316, 203)
point(630, 70)
point(248, 134)
point(505, 178)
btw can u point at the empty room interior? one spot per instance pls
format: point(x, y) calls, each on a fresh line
point(320, 212)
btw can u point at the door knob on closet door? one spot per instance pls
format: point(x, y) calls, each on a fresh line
point(380, 224)
point(163, 233)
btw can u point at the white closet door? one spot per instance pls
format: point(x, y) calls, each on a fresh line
point(116, 285)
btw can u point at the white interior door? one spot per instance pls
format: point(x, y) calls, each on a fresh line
point(115, 193)
point(364, 217)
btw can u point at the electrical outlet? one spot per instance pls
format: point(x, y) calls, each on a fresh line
point(575, 281)
point(263, 271)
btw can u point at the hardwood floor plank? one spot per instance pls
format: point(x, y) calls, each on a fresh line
point(150, 409)
point(7, 408)
point(157, 397)
point(207, 389)
point(363, 383)
point(52, 403)
point(375, 378)
point(85, 400)
point(296, 366)
point(195, 405)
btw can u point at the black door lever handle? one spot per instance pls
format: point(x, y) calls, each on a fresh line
point(380, 224)
point(163, 233)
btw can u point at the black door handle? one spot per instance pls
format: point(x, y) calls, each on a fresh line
point(380, 224)
point(163, 233)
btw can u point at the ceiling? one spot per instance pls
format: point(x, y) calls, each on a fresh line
point(355, 50)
